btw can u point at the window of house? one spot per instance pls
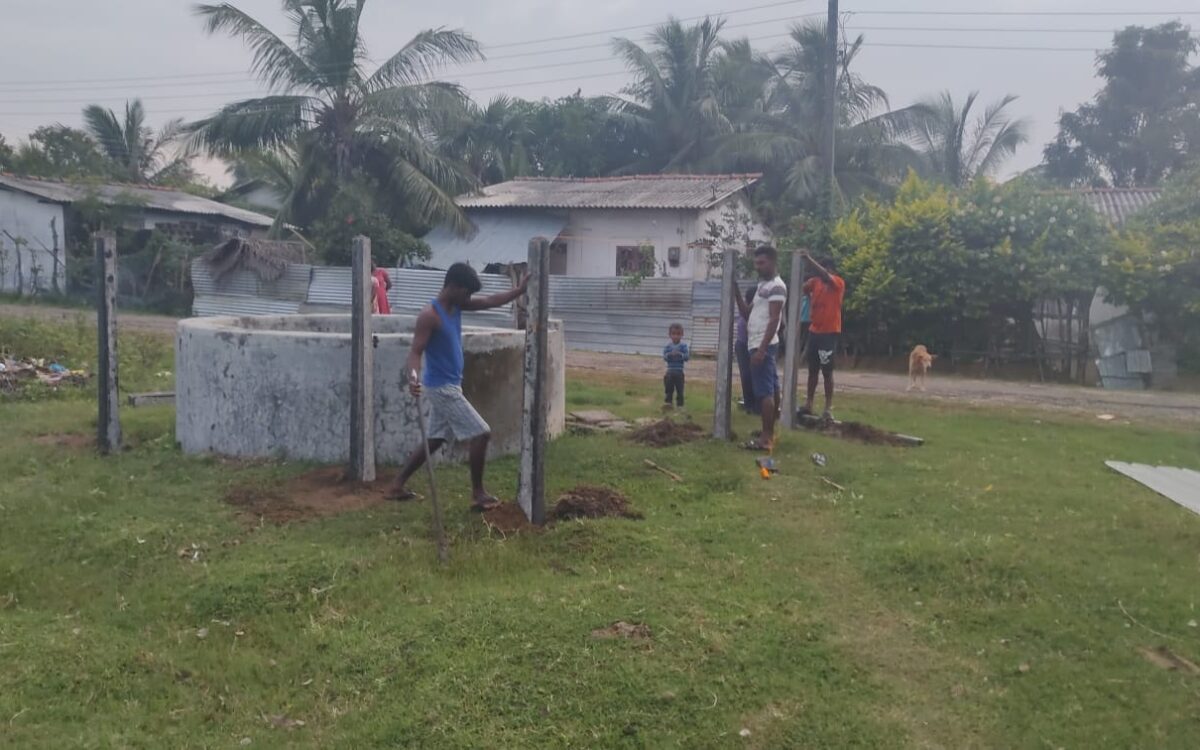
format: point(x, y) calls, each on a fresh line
point(635, 259)
point(674, 255)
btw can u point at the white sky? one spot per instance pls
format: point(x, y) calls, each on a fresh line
point(59, 55)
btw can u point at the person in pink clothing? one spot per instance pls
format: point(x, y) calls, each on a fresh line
point(382, 284)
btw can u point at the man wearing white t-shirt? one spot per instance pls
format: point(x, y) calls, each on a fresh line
point(762, 338)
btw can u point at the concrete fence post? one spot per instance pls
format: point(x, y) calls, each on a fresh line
point(723, 397)
point(531, 487)
point(108, 426)
point(362, 365)
point(791, 359)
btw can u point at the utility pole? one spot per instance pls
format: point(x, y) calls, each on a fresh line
point(829, 127)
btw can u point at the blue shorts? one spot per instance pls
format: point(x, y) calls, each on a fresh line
point(766, 375)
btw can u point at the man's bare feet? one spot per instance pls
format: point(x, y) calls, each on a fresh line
point(401, 494)
point(483, 502)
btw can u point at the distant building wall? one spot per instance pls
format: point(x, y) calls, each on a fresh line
point(36, 222)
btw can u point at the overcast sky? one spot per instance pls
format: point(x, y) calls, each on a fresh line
point(59, 55)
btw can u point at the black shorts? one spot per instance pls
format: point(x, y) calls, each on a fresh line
point(821, 350)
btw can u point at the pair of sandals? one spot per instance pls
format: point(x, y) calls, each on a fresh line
point(489, 503)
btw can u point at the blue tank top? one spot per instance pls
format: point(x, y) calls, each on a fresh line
point(444, 354)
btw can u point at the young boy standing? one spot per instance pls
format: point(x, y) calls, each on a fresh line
point(438, 338)
point(675, 354)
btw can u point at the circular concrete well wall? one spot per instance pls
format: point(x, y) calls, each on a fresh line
point(279, 386)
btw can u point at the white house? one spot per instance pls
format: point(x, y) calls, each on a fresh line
point(34, 215)
point(599, 226)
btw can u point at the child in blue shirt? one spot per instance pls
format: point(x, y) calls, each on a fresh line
point(675, 354)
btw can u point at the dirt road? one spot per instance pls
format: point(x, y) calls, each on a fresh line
point(125, 321)
point(1142, 405)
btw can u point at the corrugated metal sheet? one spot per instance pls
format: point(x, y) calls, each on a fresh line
point(158, 199)
point(598, 315)
point(637, 191)
point(232, 304)
point(1118, 204)
point(500, 237)
point(1181, 486)
point(706, 315)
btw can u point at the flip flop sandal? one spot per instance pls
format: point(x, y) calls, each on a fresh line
point(754, 445)
point(403, 497)
point(490, 504)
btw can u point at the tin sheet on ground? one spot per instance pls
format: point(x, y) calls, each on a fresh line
point(1179, 485)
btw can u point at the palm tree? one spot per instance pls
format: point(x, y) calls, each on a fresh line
point(956, 156)
point(673, 104)
point(137, 153)
point(784, 139)
point(343, 123)
point(492, 141)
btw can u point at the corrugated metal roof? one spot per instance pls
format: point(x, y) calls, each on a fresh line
point(696, 192)
point(1118, 204)
point(500, 237)
point(158, 199)
point(1181, 486)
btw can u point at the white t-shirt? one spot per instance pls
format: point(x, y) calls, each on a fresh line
point(770, 291)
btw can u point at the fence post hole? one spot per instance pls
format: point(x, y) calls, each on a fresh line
point(531, 487)
point(108, 426)
point(362, 365)
point(791, 359)
point(723, 399)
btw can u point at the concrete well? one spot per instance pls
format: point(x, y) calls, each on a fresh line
point(279, 386)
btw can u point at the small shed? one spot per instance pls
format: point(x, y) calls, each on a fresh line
point(34, 214)
point(599, 226)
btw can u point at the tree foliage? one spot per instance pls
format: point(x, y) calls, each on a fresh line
point(959, 149)
point(1144, 123)
point(58, 152)
point(1155, 265)
point(963, 270)
point(137, 153)
point(346, 125)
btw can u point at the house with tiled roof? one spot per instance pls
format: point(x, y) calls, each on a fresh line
point(599, 226)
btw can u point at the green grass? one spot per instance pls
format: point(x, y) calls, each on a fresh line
point(895, 614)
point(145, 361)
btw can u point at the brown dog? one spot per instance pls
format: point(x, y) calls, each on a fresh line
point(919, 363)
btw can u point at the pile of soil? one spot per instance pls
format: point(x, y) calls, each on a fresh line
point(863, 433)
point(593, 502)
point(581, 502)
point(315, 494)
point(507, 519)
point(665, 433)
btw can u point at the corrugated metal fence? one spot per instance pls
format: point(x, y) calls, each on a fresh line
point(598, 314)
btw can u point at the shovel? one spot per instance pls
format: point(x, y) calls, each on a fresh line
point(438, 530)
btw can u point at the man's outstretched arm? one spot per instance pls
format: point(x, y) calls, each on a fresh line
point(498, 300)
point(817, 268)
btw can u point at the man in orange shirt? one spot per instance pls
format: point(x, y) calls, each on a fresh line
point(825, 290)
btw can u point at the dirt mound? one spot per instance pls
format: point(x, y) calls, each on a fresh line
point(620, 629)
point(666, 432)
point(507, 519)
point(593, 502)
point(864, 433)
point(314, 494)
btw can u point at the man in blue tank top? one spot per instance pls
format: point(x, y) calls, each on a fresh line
point(438, 338)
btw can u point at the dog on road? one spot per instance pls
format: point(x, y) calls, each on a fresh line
point(919, 363)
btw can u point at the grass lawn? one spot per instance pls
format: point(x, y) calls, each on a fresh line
point(963, 594)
